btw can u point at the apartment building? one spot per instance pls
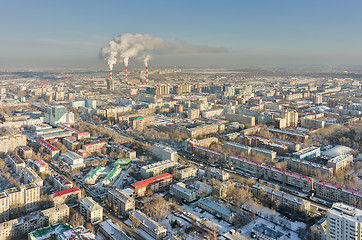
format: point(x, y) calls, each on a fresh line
point(163, 152)
point(216, 209)
point(30, 176)
point(344, 222)
point(121, 200)
point(9, 143)
point(91, 210)
point(93, 147)
point(180, 191)
point(66, 196)
point(17, 164)
point(16, 228)
point(53, 151)
point(186, 173)
point(125, 151)
point(287, 200)
point(61, 182)
point(18, 200)
point(218, 174)
point(157, 168)
point(148, 225)
point(154, 184)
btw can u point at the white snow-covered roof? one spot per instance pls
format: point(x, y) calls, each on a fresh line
point(336, 151)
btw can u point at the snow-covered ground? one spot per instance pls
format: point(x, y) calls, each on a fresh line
point(246, 230)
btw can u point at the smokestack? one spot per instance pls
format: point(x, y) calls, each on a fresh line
point(126, 76)
point(146, 75)
point(110, 74)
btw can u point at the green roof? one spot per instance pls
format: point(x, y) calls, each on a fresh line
point(95, 172)
point(122, 161)
point(111, 175)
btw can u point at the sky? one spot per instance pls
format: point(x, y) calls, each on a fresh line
point(43, 33)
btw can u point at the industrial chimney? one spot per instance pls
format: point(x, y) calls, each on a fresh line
point(146, 74)
point(126, 80)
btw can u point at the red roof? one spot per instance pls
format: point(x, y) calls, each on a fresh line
point(47, 145)
point(90, 144)
point(148, 181)
point(66, 191)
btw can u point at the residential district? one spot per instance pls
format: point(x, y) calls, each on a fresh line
point(181, 154)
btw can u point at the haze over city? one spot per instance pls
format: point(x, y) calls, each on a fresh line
point(180, 120)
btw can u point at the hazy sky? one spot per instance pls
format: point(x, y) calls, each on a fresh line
point(70, 33)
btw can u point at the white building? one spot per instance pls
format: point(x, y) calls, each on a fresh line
point(157, 168)
point(74, 160)
point(163, 152)
point(344, 222)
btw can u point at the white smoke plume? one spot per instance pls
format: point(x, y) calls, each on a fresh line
point(123, 47)
point(147, 58)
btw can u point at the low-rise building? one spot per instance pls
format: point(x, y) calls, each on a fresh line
point(90, 209)
point(284, 199)
point(49, 233)
point(79, 232)
point(16, 162)
point(93, 177)
point(340, 162)
point(180, 191)
point(262, 231)
point(154, 184)
point(308, 153)
point(157, 168)
point(218, 174)
point(66, 196)
point(122, 201)
point(74, 160)
point(30, 176)
point(41, 166)
point(216, 209)
point(125, 151)
point(186, 173)
point(111, 231)
point(151, 227)
point(61, 182)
